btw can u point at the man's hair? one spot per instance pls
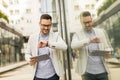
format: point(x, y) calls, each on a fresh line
point(45, 16)
point(85, 13)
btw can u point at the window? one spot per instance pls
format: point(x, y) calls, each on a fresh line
point(16, 11)
point(96, 0)
point(40, 9)
point(28, 21)
point(12, 21)
point(28, 11)
point(87, 6)
point(22, 18)
point(39, 0)
point(10, 1)
point(93, 15)
point(18, 21)
point(16, 1)
point(92, 6)
point(11, 12)
point(76, 7)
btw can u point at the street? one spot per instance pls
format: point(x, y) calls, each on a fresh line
point(114, 71)
point(24, 73)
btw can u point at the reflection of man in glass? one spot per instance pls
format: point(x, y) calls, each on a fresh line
point(45, 44)
point(88, 40)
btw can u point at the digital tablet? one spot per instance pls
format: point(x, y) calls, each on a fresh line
point(99, 53)
point(41, 57)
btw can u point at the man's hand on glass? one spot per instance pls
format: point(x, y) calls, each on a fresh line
point(95, 40)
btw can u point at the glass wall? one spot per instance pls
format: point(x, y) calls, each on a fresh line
point(10, 48)
point(112, 27)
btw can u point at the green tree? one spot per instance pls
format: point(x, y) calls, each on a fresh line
point(106, 5)
point(4, 16)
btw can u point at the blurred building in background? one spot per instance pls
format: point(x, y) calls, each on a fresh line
point(24, 15)
point(89, 5)
point(11, 43)
point(3, 7)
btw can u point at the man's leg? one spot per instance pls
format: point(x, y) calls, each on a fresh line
point(102, 76)
point(88, 76)
point(35, 78)
point(55, 77)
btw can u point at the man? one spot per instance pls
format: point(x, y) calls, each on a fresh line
point(45, 44)
point(93, 44)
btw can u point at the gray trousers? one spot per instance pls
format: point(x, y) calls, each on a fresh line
point(54, 77)
point(101, 76)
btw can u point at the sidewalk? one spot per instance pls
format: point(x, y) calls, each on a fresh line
point(74, 75)
point(12, 66)
point(112, 61)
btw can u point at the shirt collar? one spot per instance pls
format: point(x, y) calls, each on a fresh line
point(89, 31)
